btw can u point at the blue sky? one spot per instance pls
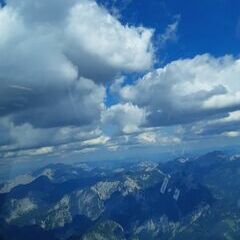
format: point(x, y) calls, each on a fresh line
point(204, 26)
point(118, 79)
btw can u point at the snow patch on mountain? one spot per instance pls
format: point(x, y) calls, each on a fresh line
point(106, 189)
point(48, 172)
point(22, 179)
point(153, 226)
point(235, 157)
point(19, 208)
point(59, 215)
point(89, 203)
point(183, 159)
point(129, 186)
point(147, 166)
point(25, 179)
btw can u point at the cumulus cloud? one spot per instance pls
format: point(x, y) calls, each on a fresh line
point(56, 58)
point(187, 90)
point(123, 118)
point(47, 48)
point(117, 46)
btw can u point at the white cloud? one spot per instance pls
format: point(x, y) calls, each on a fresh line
point(187, 90)
point(56, 58)
point(158, 137)
point(218, 102)
point(101, 140)
point(232, 134)
point(106, 39)
point(50, 46)
point(125, 118)
point(147, 137)
point(42, 151)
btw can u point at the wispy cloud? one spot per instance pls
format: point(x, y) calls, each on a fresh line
point(20, 87)
point(170, 34)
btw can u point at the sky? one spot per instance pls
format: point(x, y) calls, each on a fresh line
point(111, 79)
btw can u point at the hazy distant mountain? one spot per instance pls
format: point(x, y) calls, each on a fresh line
point(187, 198)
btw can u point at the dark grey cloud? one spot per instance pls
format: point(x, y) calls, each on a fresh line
point(222, 125)
point(80, 104)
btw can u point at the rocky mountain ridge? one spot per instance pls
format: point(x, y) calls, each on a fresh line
point(171, 200)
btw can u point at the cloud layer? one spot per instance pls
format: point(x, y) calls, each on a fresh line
point(60, 62)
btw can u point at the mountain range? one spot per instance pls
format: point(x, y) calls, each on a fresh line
point(186, 198)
